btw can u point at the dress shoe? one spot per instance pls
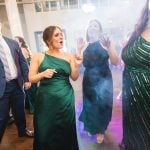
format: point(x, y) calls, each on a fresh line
point(27, 133)
point(10, 120)
point(89, 134)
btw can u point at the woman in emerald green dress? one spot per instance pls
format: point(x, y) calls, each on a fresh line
point(54, 118)
point(136, 86)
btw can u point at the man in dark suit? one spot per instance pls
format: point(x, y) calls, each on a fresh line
point(13, 78)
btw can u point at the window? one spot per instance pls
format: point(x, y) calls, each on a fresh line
point(70, 3)
point(53, 5)
point(73, 2)
point(38, 7)
point(39, 41)
point(45, 6)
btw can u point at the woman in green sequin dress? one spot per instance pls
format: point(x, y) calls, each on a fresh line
point(54, 117)
point(136, 86)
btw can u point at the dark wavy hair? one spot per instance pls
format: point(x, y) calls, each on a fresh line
point(48, 33)
point(100, 28)
point(140, 26)
point(22, 41)
point(23, 44)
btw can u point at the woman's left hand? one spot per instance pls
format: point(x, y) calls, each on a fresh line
point(105, 41)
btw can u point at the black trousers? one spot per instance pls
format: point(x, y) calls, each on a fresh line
point(13, 97)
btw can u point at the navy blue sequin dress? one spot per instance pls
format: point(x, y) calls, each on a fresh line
point(97, 89)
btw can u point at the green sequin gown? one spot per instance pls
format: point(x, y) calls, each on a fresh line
point(136, 95)
point(54, 118)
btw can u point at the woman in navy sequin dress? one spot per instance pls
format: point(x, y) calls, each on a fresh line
point(97, 81)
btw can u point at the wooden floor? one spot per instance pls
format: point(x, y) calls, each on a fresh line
point(12, 142)
point(112, 138)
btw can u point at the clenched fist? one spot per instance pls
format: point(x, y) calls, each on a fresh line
point(48, 73)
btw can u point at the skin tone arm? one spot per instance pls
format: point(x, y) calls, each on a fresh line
point(111, 50)
point(81, 46)
point(113, 54)
point(75, 62)
point(34, 75)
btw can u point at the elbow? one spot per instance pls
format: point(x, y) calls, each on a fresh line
point(115, 62)
point(74, 78)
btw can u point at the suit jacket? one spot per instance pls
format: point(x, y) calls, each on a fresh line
point(21, 64)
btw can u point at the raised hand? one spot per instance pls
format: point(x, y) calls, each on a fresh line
point(105, 41)
point(80, 45)
point(78, 59)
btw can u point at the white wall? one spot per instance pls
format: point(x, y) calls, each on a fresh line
point(74, 21)
point(5, 24)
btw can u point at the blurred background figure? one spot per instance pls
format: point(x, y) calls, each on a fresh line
point(136, 85)
point(97, 80)
point(14, 74)
point(31, 92)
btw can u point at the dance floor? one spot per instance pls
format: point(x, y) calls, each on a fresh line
point(113, 134)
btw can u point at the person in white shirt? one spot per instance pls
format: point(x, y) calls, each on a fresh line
point(13, 77)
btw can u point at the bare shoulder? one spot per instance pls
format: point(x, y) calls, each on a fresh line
point(39, 56)
point(146, 35)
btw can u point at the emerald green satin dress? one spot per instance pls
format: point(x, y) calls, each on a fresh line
point(54, 118)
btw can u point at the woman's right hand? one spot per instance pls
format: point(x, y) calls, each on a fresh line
point(48, 73)
point(80, 45)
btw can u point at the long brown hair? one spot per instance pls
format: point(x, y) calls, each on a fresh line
point(22, 41)
point(100, 28)
point(140, 26)
point(23, 44)
point(48, 33)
